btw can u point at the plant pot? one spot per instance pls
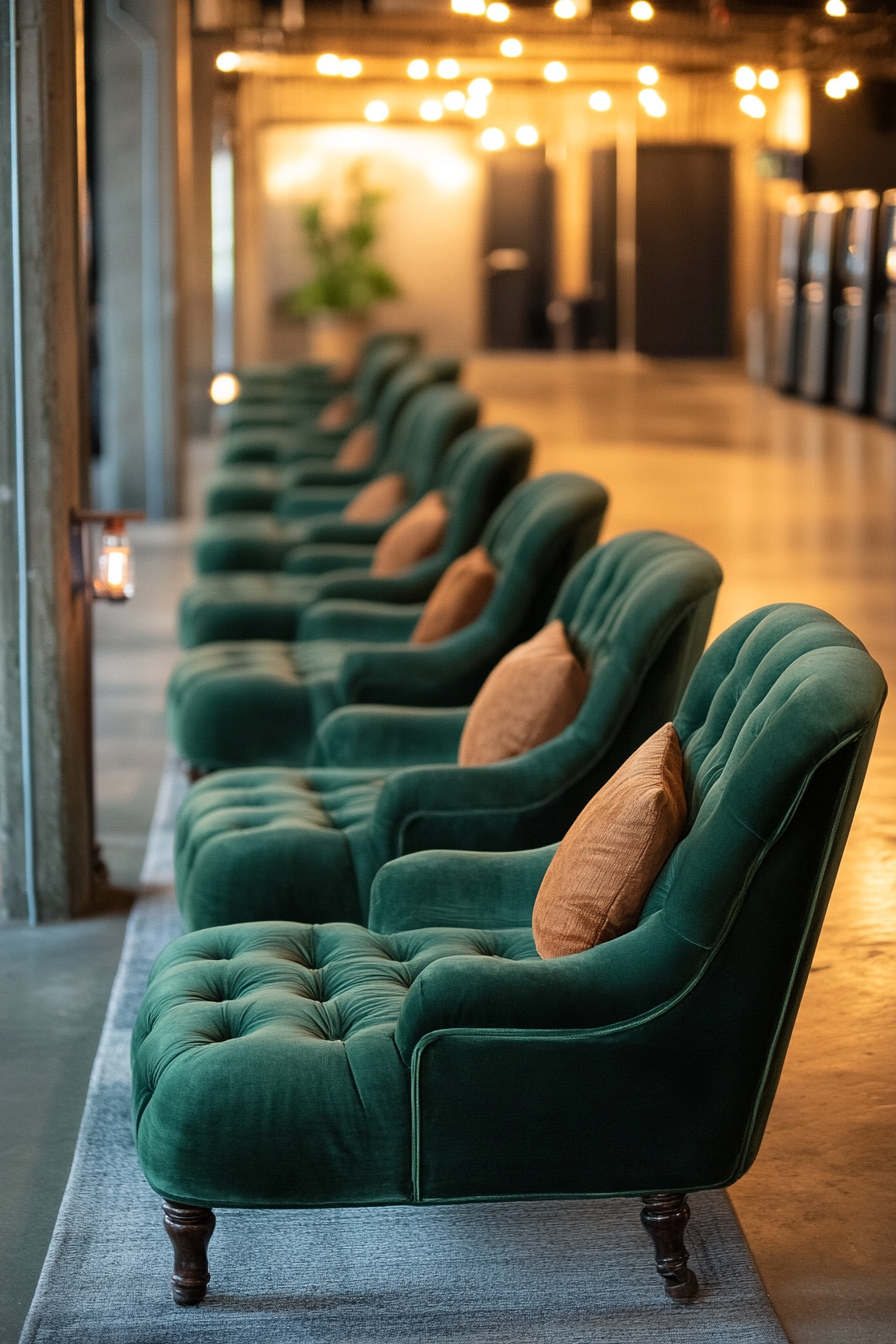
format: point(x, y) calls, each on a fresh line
point(335, 338)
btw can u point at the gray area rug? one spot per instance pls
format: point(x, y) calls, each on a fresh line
point(566, 1271)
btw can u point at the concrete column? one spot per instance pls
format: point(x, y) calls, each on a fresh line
point(626, 219)
point(572, 220)
point(45, 729)
point(138, 227)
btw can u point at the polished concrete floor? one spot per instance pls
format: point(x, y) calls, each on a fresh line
point(798, 503)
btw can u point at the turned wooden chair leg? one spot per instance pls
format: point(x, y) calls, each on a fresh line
point(665, 1218)
point(190, 1230)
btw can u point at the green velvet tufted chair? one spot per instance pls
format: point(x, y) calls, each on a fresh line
point(256, 487)
point(304, 381)
point(281, 1065)
point(306, 845)
point(274, 430)
point(477, 472)
point(429, 422)
point(256, 702)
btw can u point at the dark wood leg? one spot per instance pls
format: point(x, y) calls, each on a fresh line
point(665, 1218)
point(190, 1230)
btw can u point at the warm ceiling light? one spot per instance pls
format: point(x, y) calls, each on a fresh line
point(418, 69)
point(227, 61)
point(849, 79)
point(753, 106)
point(555, 72)
point(498, 13)
point(836, 9)
point(350, 69)
point(329, 64)
point(641, 11)
point(454, 100)
point(476, 107)
point(431, 110)
point(492, 138)
point(224, 389)
point(479, 88)
point(448, 69)
point(476, 8)
point(600, 100)
point(377, 110)
point(768, 79)
point(511, 46)
point(526, 135)
point(835, 89)
point(566, 9)
point(652, 103)
point(745, 78)
point(648, 74)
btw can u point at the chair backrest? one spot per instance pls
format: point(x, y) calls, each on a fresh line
point(407, 379)
point(776, 729)
point(428, 424)
point(376, 368)
point(476, 474)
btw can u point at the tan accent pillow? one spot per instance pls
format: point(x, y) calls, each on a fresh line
point(610, 857)
point(358, 449)
point(458, 597)
point(412, 537)
point(377, 500)
point(532, 695)
point(338, 413)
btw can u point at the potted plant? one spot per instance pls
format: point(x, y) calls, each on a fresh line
point(347, 280)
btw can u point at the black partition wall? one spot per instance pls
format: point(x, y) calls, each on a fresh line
point(519, 251)
point(684, 250)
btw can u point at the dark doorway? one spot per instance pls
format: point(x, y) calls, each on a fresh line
point(602, 332)
point(684, 250)
point(519, 251)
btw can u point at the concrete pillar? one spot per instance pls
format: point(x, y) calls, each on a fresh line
point(626, 219)
point(139, 89)
point(45, 728)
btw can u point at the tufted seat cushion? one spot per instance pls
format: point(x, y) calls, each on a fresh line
point(247, 606)
point(263, 844)
point(265, 1066)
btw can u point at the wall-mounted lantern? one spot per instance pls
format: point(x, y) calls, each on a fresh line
point(111, 576)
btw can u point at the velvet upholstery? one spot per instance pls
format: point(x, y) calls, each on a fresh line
point(282, 1064)
point(248, 487)
point(476, 473)
point(279, 428)
point(276, 844)
point(259, 702)
point(429, 421)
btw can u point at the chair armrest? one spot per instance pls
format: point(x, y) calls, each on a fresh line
point(605, 985)
point(326, 556)
point(444, 888)
point(332, 530)
point(315, 475)
point(362, 735)
point(378, 622)
point(306, 503)
point(366, 587)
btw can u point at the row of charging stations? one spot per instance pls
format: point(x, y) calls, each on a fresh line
point(834, 328)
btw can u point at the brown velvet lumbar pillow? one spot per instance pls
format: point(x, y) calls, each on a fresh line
point(338, 413)
point(605, 865)
point(412, 537)
point(532, 695)
point(458, 597)
point(377, 500)
point(357, 450)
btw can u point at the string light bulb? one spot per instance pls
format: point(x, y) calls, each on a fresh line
point(448, 69)
point(836, 9)
point(431, 110)
point(511, 46)
point(641, 11)
point(600, 101)
point(476, 108)
point(350, 69)
point(497, 12)
point(479, 88)
point(648, 74)
point(652, 103)
point(526, 135)
point(566, 9)
point(418, 69)
point(849, 79)
point(492, 138)
point(835, 89)
point(753, 106)
point(555, 72)
point(745, 78)
point(768, 79)
point(454, 100)
point(328, 64)
point(225, 388)
point(228, 61)
point(377, 110)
